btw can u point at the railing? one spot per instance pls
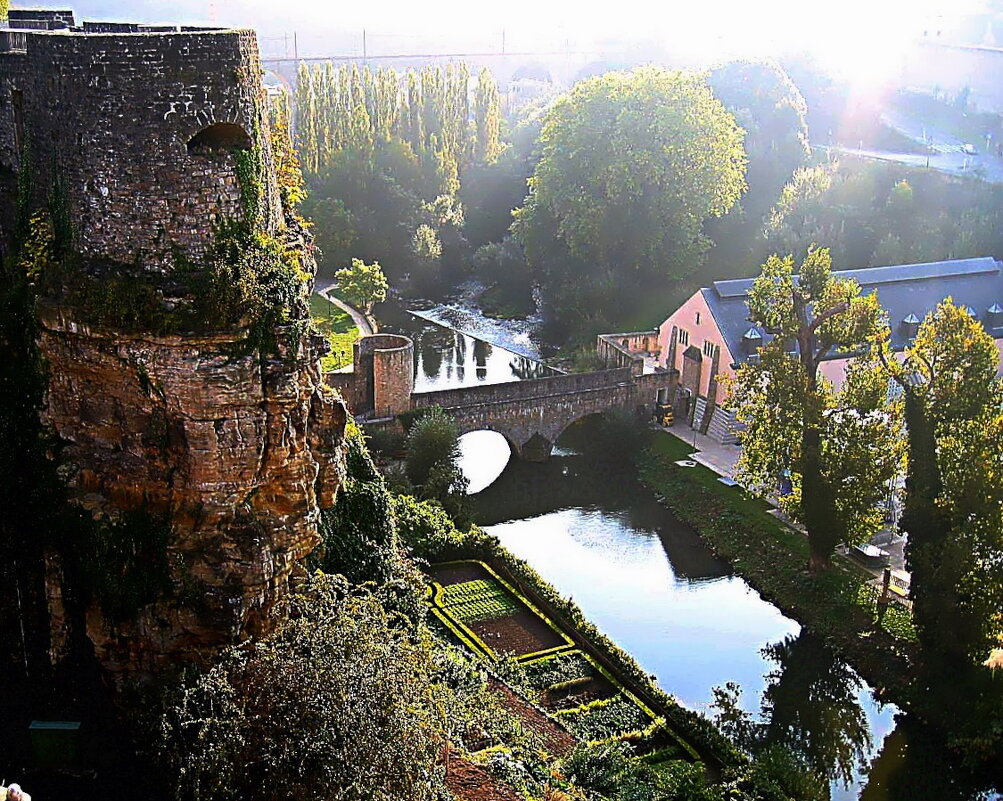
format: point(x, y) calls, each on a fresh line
point(13, 41)
point(32, 24)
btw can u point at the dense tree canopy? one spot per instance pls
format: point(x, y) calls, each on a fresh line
point(383, 153)
point(631, 165)
point(841, 448)
point(877, 214)
point(773, 113)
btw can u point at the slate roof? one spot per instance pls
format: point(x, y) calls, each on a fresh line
point(902, 289)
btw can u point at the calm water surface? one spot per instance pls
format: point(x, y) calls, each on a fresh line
point(591, 529)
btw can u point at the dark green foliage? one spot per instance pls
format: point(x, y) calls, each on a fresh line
point(610, 773)
point(874, 213)
point(426, 530)
point(558, 669)
point(431, 464)
point(359, 538)
point(611, 215)
point(772, 112)
point(125, 563)
point(383, 154)
point(433, 440)
point(607, 719)
point(503, 266)
point(338, 702)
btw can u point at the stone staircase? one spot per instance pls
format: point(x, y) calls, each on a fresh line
point(723, 426)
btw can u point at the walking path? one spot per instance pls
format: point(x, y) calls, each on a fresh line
point(366, 326)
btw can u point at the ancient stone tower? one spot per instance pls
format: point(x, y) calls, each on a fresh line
point(144, 134)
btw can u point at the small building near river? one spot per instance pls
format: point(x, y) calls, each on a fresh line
point(710, 336)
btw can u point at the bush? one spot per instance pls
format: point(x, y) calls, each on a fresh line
point(358, 535)
point(427, 531)
point(432, 441)
point(433, 452)
point(337, 703)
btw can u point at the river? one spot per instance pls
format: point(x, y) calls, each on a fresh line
point(588, 526)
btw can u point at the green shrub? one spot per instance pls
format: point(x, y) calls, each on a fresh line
point(602, 720)
point(359, 539)
point(427, 531)
point(337, 703)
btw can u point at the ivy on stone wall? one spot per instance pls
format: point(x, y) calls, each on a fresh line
point(358, 533)
point(249, 169)
point(125, 563)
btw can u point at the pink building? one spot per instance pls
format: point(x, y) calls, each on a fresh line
point(710, 335)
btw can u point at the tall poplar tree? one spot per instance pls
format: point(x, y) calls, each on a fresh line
point(954, 496)
point(487, 119)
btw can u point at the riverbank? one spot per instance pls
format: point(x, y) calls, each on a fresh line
point(840, 606)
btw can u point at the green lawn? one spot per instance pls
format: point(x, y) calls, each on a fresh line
point(339, 329)
point(674, 449)
point(840, 605)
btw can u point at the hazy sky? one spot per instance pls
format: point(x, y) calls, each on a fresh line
point(857, 34)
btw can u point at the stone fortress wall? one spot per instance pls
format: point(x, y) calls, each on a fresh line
point(238, 451)
point(140, 128)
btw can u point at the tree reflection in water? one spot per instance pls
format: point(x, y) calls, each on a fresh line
point(810, 706)
point(525, 369)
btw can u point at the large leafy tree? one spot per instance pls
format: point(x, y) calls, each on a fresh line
point(954, 500)
point(363, 284)
point(773, 113)
point(841, 448)
point(632, 164)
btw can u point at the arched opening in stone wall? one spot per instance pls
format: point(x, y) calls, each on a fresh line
point(219, 137)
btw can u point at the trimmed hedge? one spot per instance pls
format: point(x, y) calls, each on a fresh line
point(430, 535)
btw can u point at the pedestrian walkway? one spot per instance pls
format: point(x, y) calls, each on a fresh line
point(366, 326)
point(720, 458)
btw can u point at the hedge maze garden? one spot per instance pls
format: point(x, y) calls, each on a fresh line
point(475, 606)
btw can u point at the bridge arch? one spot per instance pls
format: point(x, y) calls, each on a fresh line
point(484, 456)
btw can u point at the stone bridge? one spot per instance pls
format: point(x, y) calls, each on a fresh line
point(532, 414)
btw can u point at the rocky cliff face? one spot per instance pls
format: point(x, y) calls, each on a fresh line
point(237, 453)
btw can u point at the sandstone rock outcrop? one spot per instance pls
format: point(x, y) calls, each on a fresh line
point(239, 454)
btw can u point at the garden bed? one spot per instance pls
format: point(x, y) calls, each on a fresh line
point(489, 616)
point(517, 634)
point(470, 782)
point(556, 738)
point(590, 688)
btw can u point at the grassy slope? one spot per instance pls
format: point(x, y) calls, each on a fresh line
point(773, 558)
point(339, 329)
